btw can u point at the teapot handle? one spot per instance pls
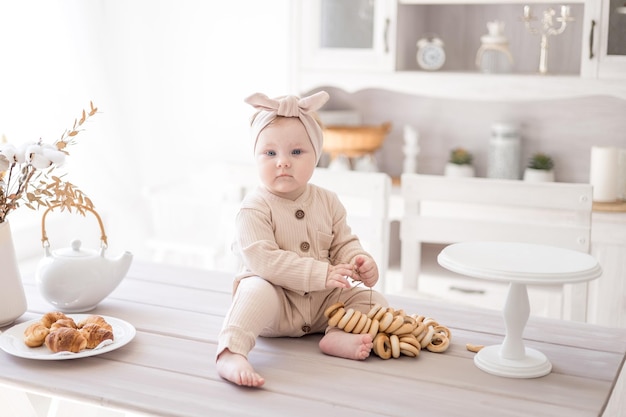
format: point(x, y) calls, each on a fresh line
point(44, 237)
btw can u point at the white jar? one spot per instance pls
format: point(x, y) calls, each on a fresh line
point(494, 55)
point(494, 59)
point(504, 152)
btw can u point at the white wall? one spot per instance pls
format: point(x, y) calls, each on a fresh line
point(169, 78)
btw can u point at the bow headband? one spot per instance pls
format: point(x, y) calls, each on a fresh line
point(289, 106)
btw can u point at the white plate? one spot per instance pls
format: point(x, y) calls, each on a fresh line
point(12, 341)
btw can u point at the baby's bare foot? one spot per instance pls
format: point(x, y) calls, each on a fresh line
point(235, 368)
point(347, 345)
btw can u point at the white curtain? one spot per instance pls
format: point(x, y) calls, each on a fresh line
point(169, 78)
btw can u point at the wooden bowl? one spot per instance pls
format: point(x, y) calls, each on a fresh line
point(354, 141)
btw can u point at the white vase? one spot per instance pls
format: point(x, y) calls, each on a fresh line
point(538, 175)
point(12, 297)
point(456, 170)
point(504, 152)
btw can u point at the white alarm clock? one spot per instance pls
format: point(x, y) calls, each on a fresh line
point(430, 53)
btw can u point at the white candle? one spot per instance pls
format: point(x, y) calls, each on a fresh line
point(527, 11)
point(603, 173)
point(565, 11)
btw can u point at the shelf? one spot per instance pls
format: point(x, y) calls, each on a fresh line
point(465, 86)
point(461, 27)
point(531, 2)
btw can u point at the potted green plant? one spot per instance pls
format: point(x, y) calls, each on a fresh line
point(540, 168)
point(460, 163)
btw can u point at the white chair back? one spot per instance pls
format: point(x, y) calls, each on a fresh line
point(439, 209)
point(193, 217)
point(366, 198)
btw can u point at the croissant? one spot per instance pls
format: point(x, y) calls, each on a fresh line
point(65, 339)
point(35, 334)
point(49, 318)
point(94, 319)
point(68, 322)
point(95, 334)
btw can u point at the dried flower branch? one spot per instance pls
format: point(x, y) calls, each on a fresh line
point(26, 173)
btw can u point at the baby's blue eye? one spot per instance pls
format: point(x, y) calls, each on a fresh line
point(296, 152)
point(270, 153)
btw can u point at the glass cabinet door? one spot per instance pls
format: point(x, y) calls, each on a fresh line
point(616, 39)
point(347, 24)
point(612, 59)
point(348, 34)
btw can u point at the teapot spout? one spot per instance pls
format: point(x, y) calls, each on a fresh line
point(120, 267)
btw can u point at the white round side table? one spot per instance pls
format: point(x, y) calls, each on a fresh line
point(519, 264)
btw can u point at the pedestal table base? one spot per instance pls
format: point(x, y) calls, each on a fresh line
point(533, 365)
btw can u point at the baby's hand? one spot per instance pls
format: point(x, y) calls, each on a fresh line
point(367, 270)
point(337, 276)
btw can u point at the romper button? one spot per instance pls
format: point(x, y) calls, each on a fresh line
point(306, 328)
point(305, 246)
point(299, 214)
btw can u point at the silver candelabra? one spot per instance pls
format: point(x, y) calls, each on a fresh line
point(547, 29)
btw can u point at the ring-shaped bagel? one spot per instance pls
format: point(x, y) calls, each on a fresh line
point(439, 343)
point(346, 318)
point(386, 321)
point(367, 327)
point(395, 346)
point(397, 322)
point(380, 313)
point(411, 340)
point(374, 328)
point(429, 321)
point(409, 324)
point(353, 321)
point(382, 346)
point(374, 310)
point(334, 319)
point(328, 313)
point(409, 350)
point(428, 337)
point(421, 327)
point(443, 329)
point(360, 325)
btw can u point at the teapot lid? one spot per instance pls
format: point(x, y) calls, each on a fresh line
point(75, 251)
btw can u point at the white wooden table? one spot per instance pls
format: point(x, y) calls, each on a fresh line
point(518, 264)
point(169, 368)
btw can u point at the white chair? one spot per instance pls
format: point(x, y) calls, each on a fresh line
point(193, 216)
point(366, 198)
point(439, 209)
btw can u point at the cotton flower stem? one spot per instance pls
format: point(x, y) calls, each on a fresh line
point(32, 185)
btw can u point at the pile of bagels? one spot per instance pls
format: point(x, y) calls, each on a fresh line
point(393, 331)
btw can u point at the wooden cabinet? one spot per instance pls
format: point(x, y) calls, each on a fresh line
point(356, 45)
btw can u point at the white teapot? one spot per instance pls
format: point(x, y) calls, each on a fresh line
point(74, 279)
